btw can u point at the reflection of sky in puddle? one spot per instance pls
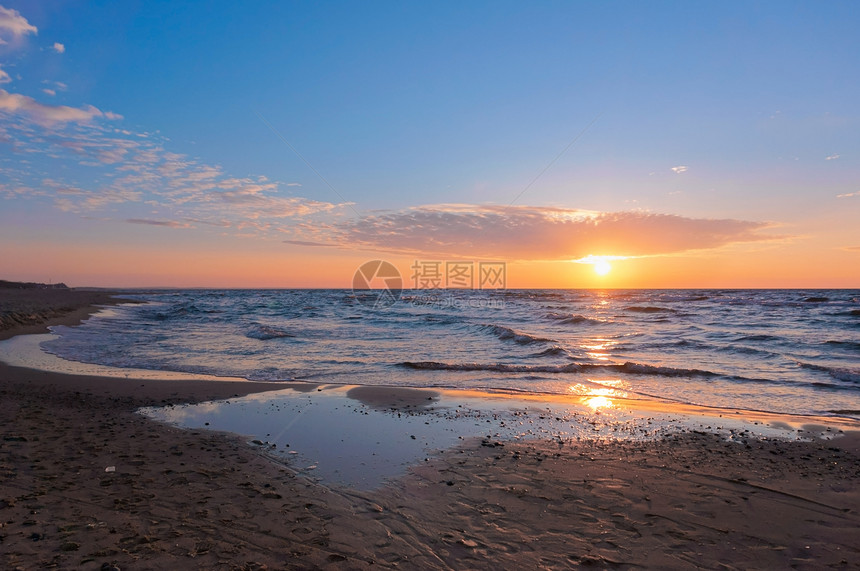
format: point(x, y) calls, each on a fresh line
point(341, 441)
point(338, 440)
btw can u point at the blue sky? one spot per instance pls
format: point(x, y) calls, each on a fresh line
point(726, 110)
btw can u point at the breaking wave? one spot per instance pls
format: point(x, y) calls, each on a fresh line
point(628, 367)
point(839, 373)
point(573, 319)
point(520, 337)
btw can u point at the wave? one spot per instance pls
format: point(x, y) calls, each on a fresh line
point(573, 319)
point(441, 319)
point(554, 351)
point(158, 313)
point(641, 369)
point(532, 294)
point(838, 373)
point(649, 309)
point(757, 338)
point(845, 411)
point(497, 367)
point(266, 332)
point(740, 349)
point(520, 337)
point(846, 344)
point(628, 367)
point(816, 299)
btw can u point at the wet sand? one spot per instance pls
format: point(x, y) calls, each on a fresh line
point(195, 498)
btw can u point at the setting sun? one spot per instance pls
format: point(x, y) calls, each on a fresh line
point(602, 267)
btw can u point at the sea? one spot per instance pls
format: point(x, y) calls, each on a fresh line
point(782, 351)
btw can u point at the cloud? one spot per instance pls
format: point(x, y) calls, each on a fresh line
point(55, 85)
point(168, 223)
point(4, 77)
point(679, 169)
point(76, 200)
point(14, 25)
point(48, 115)
point(849, 195)
point(307, 243)
point(135, 170)
point(59, 48)
point(831, 158)
point(50, 92)
point(540, 233)
point(852, 248)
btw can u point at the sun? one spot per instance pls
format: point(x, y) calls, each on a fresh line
point(602, 267)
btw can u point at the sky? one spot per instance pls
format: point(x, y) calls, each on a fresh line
point(283, 144)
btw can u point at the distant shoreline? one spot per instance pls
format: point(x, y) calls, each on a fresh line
point(33, 310)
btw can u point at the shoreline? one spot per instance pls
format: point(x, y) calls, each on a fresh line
point(100, 374)
point(209, 499)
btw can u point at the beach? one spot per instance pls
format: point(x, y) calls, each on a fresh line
point(87, 482)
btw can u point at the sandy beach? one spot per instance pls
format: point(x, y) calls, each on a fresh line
point(86, 482)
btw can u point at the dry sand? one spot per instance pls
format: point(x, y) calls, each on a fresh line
point(198, 499)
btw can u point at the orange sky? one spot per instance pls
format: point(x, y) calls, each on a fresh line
point(276, 265)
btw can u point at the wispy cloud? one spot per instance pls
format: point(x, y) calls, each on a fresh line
point(848, 195)
point(4, 77)
point(168, 223)
point(530, 233)
point(59, 48)
point(679, 169)
point(49, 115)
point(130, 170)
point(852, 248)
point(831, 158)
point(55, 85)
point(308, 243)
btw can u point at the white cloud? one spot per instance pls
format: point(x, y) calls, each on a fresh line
point(679, 169)
point(50, 92)
point(59, 48)
point(849, 195)
point(48, 115)
point(14, 25)
point(4, 77)
point(831, 158)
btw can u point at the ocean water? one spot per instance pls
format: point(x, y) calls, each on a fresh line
point(785, 351)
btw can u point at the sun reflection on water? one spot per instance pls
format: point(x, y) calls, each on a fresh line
point(597, 403)
point(598, 393)
point(598, 348)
